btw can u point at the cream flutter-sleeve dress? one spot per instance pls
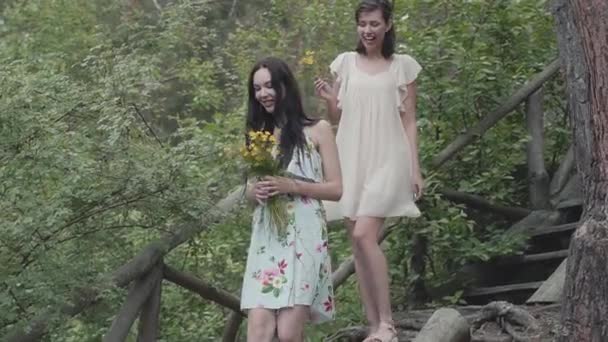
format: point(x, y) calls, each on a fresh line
point(374, 150)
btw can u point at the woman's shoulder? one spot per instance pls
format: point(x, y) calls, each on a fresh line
point(404, 58)
point(406, 68)
point(346, 54)
point(322, 125)
point(319, 131)
point(342, 59)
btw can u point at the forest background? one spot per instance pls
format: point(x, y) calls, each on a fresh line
point(120, 120)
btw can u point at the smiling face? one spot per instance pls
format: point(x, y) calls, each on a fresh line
point(265, 94)
point(371, 28)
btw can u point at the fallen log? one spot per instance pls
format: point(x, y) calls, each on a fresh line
point(445, 325)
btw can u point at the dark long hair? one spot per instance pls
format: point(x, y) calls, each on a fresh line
point(288, 113)
point(388, 45)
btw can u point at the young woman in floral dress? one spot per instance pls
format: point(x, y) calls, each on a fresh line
point(287, 281)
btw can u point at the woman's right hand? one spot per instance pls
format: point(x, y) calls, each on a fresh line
point(260, 192)
point(323, 89)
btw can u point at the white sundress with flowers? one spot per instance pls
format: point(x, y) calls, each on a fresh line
point(293, 269)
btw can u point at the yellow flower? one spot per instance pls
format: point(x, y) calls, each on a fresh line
point(309, 58)
point(307, 61)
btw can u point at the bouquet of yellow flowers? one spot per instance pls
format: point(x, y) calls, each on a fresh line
point(260, 156)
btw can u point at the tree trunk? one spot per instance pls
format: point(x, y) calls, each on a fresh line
point(582, 31)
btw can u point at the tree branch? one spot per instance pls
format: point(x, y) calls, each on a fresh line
point(232, 12)
point(203, 289)
point(157, 5)
point(538, 180)
point(25, 262)
point(478, 202)
point(146, 121)
point(490, 120)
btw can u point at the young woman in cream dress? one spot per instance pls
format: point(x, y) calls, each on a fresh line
point(373, 98)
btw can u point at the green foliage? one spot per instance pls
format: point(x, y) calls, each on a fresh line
point(118, 123)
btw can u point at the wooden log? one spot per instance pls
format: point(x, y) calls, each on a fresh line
point(149, 318)
point(203, 289)
point(561, 176)
point(554, 229)
point(358, 333)
point(552, 289)
point(231, 329)
point(537, 219)
point(141, 290)
point(491, 290)
point(490, 120)
point(445, 325)
point(531, 258)
point(133, 269)
point(538, 179)
point(480, 203)
point(570, 195)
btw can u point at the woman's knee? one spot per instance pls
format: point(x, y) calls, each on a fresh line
point(289, 333)
point(260, 332)
point(362, 237)
point(290, 323)
point(260, 327)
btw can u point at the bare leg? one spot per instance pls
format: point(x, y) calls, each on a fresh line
point(260, 325)
point(365, 285)
point(374, 268)
point(290, 323)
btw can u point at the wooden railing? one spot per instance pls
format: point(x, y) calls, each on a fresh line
point(146, 272)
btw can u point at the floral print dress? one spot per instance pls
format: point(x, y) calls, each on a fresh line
point(292, 269)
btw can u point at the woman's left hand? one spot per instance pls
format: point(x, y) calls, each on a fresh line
point(279, 185)
point(417, 186)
